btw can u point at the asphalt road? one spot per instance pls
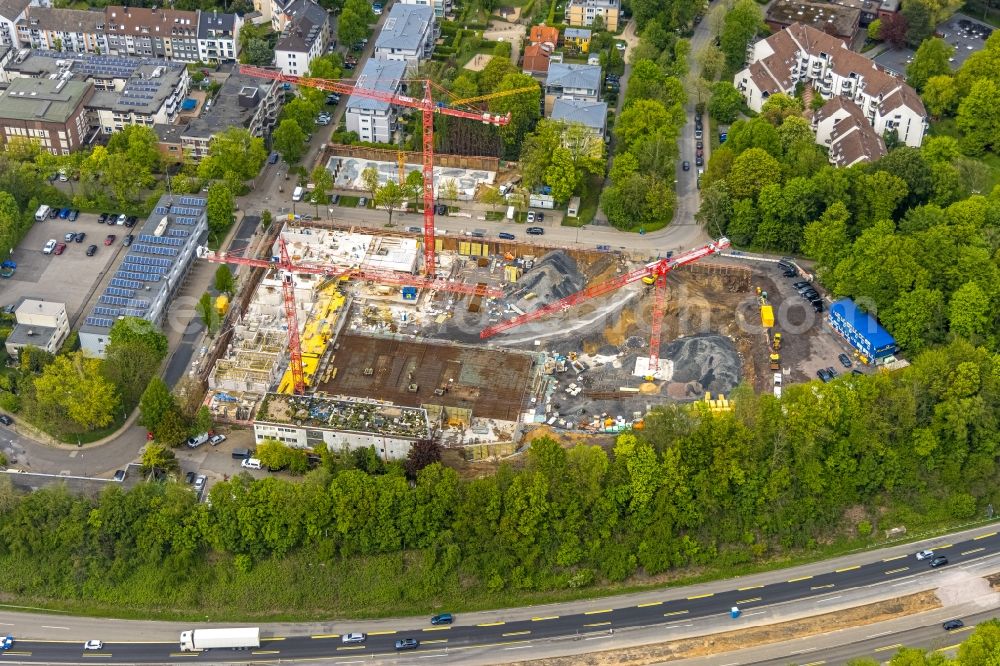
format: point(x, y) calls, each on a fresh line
point(438, 642)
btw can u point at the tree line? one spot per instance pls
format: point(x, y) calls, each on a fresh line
point(691, 489)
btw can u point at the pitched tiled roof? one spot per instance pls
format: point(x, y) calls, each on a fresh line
point(159, 22)
point(855, 141)
point(543, 33)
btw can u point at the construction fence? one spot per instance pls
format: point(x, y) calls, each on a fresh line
point(414, 159)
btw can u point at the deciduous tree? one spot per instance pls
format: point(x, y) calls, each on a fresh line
point(390, 197)
point(931, 59)
point(219, 209)
point(726, 102)
point(751, 171)
point(73, 389)
point(940, 96)
point(234, 152)
point(979, 118)
point(289, 140)
point(156, 401)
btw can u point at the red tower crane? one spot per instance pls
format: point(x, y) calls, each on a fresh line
point(428, 107)
point(656, 270)
point(284, 264)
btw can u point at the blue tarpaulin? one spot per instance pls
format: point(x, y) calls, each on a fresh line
point(188, 104)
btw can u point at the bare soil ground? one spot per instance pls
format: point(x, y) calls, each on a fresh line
point(737, 640)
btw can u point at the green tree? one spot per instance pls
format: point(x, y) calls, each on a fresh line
point(389, 197)
point(643, 117)
point(257, 52)
point(971, 312)
point(123, 178)
point(135, 349)
point(422, 453)
point(752, 170)
point(369, 178)
point(139, 143)
point(156, 401)
point(917, 319)
point(726, 102)
point(491, 196)
point(982, 645)
point(979, 118)
point(202, 421)
point(322, 181)
point(289, 140)
point(875, 30)
point(536, 152)
point(73, 390)
point(225, 282)
point(561, 175)
point(235, 155)
point(219, 209)
point(353, 22)
point(711, 60)
point(940, 96)
point(158, 458)
point(490, 77)
point(741, 24)
point(524, 109)
point(919, 15)
point(207, 313)
point(779, 108)
point(303, 111)
point(172, 430)
point(931, 59)
point(826, 239)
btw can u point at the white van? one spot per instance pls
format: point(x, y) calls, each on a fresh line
point(197, 440)
point(297, 194)
point(251, 463)
point(510, 212)
point(42, 213)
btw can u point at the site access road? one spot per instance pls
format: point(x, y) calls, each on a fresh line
point(512, 630)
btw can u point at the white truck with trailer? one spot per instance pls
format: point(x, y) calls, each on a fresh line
point(237, 638)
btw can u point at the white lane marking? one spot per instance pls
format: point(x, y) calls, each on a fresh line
point(804, 650)
point(518, 647)
point(756, 613)
point(883, 633)
point(597, 638)
point(905, 582)
point(823, 601)
point(45, 626)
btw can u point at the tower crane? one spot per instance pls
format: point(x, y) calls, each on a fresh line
point(657, 270)
point(287, 269)
point(427, 106)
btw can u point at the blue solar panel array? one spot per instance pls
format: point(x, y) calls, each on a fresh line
point(179, 233)
point(194, 201)
point(183, 210)
point(161, 240)
point(118, 291)
point(148, 261)
point(99, 321)
point(126, 281)
point(156, 249)
point(190, 221)
point(133, 277)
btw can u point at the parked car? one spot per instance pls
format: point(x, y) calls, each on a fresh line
point(539, 216)
point(215, 440)
point(199, 484)
point(817, 305)
point(845, 360)
point(102, 218)
point(440, 209)
point(91, 250)
point(128, 240)
point(810, 295)
point(354, 637)
point(531, 216)
point(6, 420)
point(506, 236)
point(59, 249)
point(122, 219)
point(112, 219)
point(699, 144)
point(952, 625)
point(699, 160)
point(63, 213)
point(821, 373)
point(189, 477)
point(798, 286)
point(79, 236)
point(73, 214)
point(535, 231)
point(251, 463)
point(130, 221)
point(70, 237)
point(925, 554)
point(273, 157)
point(698, 134)
point(362, 202)
point(119, 475)
point(443, 618)
point(54, 213)
point(109, 239)
point(407, 644)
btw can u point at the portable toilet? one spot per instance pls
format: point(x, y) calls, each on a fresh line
point(409, 293)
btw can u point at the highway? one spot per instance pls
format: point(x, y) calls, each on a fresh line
point(669, 611)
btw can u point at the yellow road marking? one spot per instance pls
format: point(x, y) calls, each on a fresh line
point(326, 636)
point(652, 603)
point(895, 571)
point(974, 550)
point(747, 601)
point(856, 566)
point(517, 633)
point(490, 624)
point(890, 559)
point(702, 596)
point(889, 647)
point(597, 624)
point(947, 545)
point(381, 633)
point(984, 536)
point(822, 587)
point(683, 612)
point(749, 587)
point(351, 647)
point(598, 612)
point(437, 628)
point(950, 647)
point(547, 617)
point(816, 663)
point(796, 580)
point(273, 638)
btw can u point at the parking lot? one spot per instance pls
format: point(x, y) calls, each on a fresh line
point(963, 32)
point(68, 278)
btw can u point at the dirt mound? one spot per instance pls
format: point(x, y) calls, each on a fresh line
point(703, 363)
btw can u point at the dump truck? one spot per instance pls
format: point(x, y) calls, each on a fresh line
point(236, 638)
point(776, 342)
point(767, 316)
point(775, 362)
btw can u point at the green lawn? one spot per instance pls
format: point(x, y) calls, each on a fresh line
point(347, 201)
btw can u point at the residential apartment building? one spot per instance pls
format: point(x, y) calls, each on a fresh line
point(372, 119)
point(152, 33)
point(592, 115)
point(243, 101)
point(569, 81)
point(407, 35)
point(441, 7)
point(218, 36)
point(305, 34)
point(11, 11)
point(802, 54)
point(841, 127)
point(581, 13)
point(580, 37)
point(152, 270)
point(41, 324)
point(64, 30)
point(127, 91)
point(51, 111)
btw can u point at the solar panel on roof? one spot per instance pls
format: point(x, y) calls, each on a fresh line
point(113, 300)
point(180, 233)
point(126, 281)
point(108, 312)
point(138, 303)
point(117, 291)
point(134, 313)
point(99, 321)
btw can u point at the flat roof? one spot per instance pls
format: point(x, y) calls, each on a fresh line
point(234, 106)
point(38, 306)
point(863, 322)
point(345, 415)
point(824, 16)
point(26, 334)
point(140, 278)
point(377, 74)
point(405, 28)
point(49, 100)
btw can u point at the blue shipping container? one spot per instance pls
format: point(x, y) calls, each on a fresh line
point(862, 330)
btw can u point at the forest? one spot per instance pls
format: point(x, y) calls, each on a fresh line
point(839, 461)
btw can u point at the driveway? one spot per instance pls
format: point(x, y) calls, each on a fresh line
point(512, 33)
